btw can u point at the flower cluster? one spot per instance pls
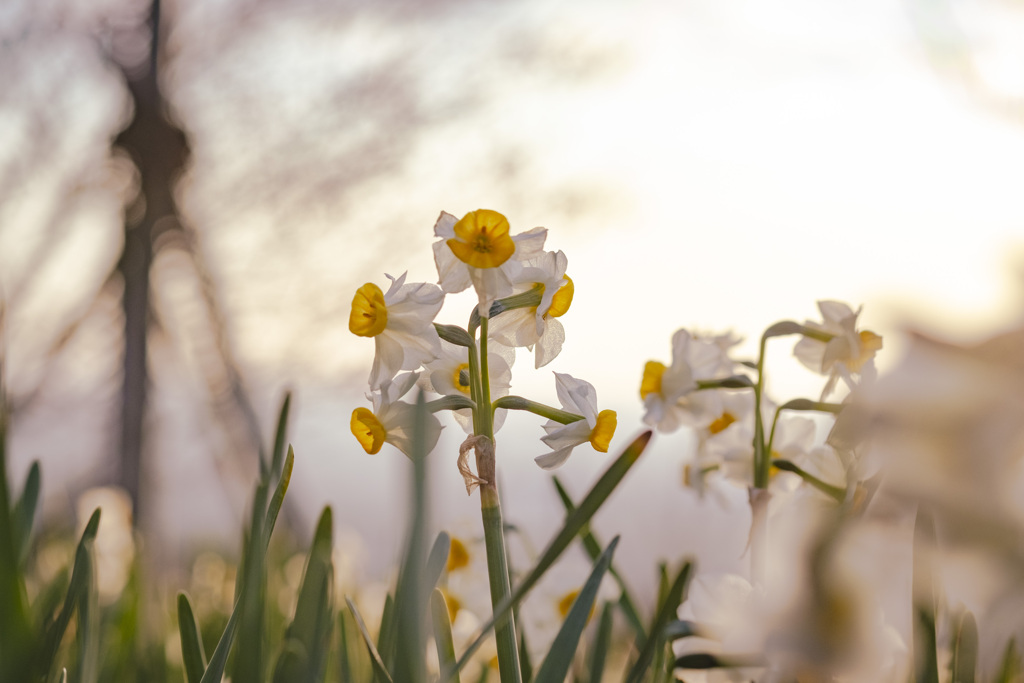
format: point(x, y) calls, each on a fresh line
point(742, 435)
point(522, 291)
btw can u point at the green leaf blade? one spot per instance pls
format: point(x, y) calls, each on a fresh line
point(192, 656)
point(563, 649)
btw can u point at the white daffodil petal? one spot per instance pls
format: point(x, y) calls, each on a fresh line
point(452, 274)
point(529, 244)
point(835, 311)
point(576, 395)
point(445, 225)
point(387, 360)
point(554, 459)
point(572, 434)
point(811, 353)
point(398, 419)
point(550, 343)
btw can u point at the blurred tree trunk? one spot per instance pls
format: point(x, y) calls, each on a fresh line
point(159, 150)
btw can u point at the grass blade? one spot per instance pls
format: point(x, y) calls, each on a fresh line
point(443, 640)
point(24, 513)
point(656, 640)
point(602, 642)
point(16, 639)
point(278, 498)
point(926, 661)
point(280, 435)
point(215, 670)
point(411, 595)
point(438, 559)
point(311, 629)
point(573, 523)
point(563, 649)
point(88, 631)
point(1009, 669)
point(76, 588)
point(593, 548)
point(375, 660)
point(386, 634)
point(192, 656)
point(965, 649)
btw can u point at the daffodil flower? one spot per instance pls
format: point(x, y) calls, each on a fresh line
point(670, 393)
point(579, 397)
point(400, 322)
point(847, 353)
point(478, 250)
point(538, 327)
point(448, 374)
point(391, 420)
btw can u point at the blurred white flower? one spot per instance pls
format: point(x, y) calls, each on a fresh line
point(392, 420)
point(538, 327)
point(847, 353)
point(478, 250)
point(579, 397)
point(400, 323)
point(670, 394)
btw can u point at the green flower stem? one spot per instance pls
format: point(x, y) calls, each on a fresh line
point(453, 402)
point(474, 386)
point(761, 469)
point(486, 413)
point(528, 299)
point(490, 510)
point(802, 404)
point(545, 411)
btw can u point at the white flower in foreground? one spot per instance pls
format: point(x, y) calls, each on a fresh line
point(670, 393)
point(400, 323)
point(478, 250)
point(733, 619)
point(391, 420)
point(538, 326)
point(448, 375)
point(580, 397)
point(848, 353)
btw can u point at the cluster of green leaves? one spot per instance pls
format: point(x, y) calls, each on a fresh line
point(62, 635)
point(397, 654)
point(31, 633)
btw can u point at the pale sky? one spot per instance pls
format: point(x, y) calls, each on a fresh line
point(708, 164)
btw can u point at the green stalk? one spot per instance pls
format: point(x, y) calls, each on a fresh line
point(761, 460)
point(474, 386)
point(490, 510)
point(545, 411)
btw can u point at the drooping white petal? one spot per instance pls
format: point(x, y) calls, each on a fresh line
point(550, 343)
point(554, 459)
point(561, 436)
point(388, 358)
point(577, 396)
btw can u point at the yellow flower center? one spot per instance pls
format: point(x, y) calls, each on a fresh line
point(870, 344)
point(566, 602)
point(460, 378)
point(452, 603)
point(601, 434)
point(368, 430)
point(369, 314)
point(651, 383)
point(458, 556)
point(482, 240)
point(721, 423)
point(562, 299)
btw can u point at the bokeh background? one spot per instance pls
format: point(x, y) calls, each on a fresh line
point(183, 224)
